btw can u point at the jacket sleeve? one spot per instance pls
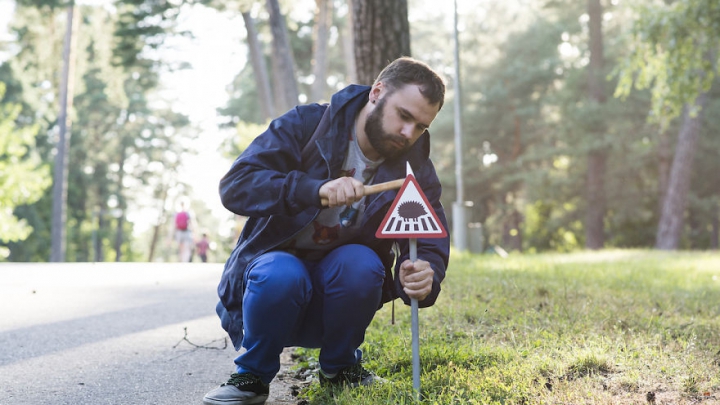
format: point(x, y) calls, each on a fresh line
point(267, 178)
point(436, 251)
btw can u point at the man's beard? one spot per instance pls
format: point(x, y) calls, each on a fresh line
point(381, 141)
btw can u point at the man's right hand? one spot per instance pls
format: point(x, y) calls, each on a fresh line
point(342, 191)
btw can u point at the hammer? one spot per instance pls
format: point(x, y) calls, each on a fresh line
point(374, 189)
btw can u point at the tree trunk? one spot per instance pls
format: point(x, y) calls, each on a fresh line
point(160, 221)
point(348, 43)
point(119, 235)
point(257, 59)
point(382, 34)
point(286, 89)
point(673, 210)
point(664, 154)
point(596, 205)
point(323, 19)
point(101, 225)
point(512, 237)
point(597, 158)
point(60, 175)
point(715, 229)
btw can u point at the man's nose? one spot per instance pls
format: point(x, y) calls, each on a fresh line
point(408, 130)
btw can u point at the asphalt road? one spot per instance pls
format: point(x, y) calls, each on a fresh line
point(112, 333)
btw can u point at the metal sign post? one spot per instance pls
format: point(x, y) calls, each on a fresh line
point(412, 216)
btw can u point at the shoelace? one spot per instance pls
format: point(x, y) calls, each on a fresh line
point(356, 372)
point(239, 380)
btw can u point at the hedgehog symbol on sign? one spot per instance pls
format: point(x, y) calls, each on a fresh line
point(411, 215)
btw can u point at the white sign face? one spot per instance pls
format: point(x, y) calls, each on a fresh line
point(411, 215)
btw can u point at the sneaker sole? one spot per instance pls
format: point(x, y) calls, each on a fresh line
point(257, 400)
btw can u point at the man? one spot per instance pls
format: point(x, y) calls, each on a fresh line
point(312, 276)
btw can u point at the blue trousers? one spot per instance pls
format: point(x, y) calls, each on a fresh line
point(326, 304)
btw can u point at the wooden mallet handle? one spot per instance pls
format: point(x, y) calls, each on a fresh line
point(374, 189)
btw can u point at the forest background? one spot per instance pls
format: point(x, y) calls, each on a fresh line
point(584, 124)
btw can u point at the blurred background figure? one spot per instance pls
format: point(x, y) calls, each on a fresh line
point(202, 247)
point(183, 233)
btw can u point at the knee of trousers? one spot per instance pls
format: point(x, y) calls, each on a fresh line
point(279, 275)
point(354, 267)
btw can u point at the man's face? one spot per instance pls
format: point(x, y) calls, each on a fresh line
point(398, 120)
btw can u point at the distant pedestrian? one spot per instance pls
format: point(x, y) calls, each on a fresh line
point(202, 247)
point(183, 233)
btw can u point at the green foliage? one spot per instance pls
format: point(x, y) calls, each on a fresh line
point(246, 133)
point(528, 125)
point(23, 176)
point(674, 53)
point(601, 327)
point(243, 103)
point(142, 25)
point(122, 148)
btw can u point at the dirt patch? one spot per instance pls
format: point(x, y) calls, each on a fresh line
point(285, 386)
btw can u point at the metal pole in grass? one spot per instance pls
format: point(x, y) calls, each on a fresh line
point(415, 326)
point(412, 216)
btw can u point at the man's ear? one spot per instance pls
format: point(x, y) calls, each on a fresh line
point(376, 90)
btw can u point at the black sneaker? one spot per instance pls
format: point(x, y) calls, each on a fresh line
point(241, 389)
point(354, 376)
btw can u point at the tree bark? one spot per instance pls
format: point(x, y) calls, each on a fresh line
point(323, 18)
point(348, 43)
point(257, 59)
point(382, 34)
point(159, 223)
point(512, 237)
point(715, 231)
point(664, 154)
point(60, 175)
point(286, 89)
point(122, 205)
point(597, 158)
point(673, 211)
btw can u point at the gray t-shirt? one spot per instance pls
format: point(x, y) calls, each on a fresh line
point(334, 227)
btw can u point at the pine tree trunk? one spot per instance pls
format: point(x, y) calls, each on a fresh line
point(286, 89)
point(673, 210)
point(715, 229)
point(101, 225)
point(664, 153)
point(512, 237)
point(257, 59)
point(382, 34)
point(596, 205)
point(60, 175)
point(347, 37)
point(595, 187)
point(120, 232)
point(323, 19)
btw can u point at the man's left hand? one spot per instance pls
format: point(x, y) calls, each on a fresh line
point(416, 278)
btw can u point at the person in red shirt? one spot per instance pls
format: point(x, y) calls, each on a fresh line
point(183, 233)
point(202, 247)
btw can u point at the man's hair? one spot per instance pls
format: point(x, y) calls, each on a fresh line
point(404, 71)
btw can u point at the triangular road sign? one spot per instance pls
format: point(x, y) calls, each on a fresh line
point(411, 215)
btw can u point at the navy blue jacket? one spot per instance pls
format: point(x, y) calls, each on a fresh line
point(279, 193)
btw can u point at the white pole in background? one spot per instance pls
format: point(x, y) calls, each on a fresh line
point(459, 219)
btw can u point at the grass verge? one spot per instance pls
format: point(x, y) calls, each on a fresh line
point(609, 327)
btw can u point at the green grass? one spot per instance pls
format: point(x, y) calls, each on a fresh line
point(610, 327)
